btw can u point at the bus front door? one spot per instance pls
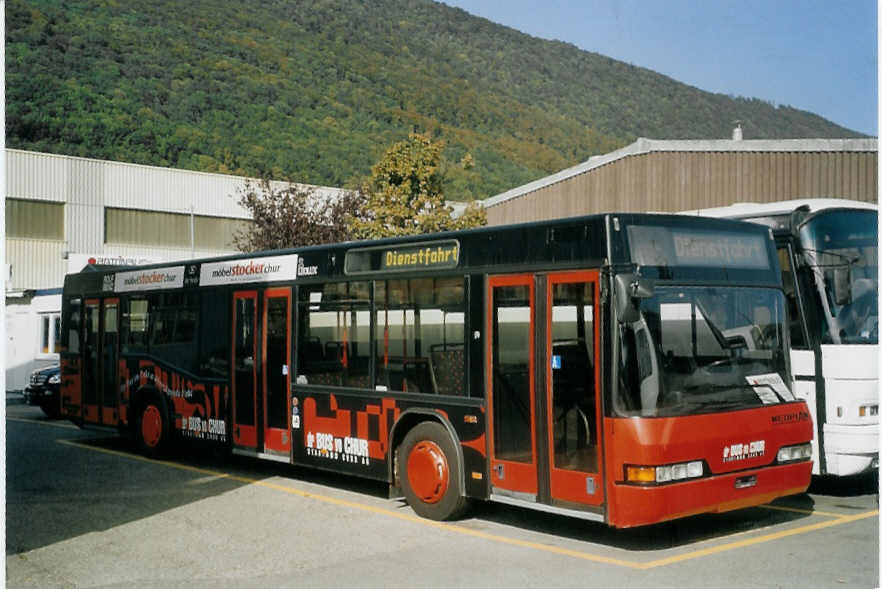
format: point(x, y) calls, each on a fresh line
point(572, 381)
point(244, 362)
point(511, 391)
point(543, 404)
point(276, 372)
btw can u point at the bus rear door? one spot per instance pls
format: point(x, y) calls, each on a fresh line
point(101, 361)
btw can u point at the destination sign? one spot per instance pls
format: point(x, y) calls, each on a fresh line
point(414, 256)
point(431, 256)
point(664, 246)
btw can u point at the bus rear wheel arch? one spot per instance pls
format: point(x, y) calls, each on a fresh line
point(430, 472)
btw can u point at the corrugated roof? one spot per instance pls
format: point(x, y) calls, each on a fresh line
point(643, 146)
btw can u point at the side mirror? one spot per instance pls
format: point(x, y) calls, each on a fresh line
point(842, 285)
point(630, 288)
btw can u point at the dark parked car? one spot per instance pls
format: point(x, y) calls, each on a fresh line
point(43, 390)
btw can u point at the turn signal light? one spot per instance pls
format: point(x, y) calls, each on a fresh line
point(640, 474)
point(868, 410)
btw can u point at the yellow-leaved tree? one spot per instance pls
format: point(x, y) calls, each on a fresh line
point(405, 196)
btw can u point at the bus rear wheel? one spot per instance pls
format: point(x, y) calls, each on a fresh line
point(152, 428)
point(430, 472)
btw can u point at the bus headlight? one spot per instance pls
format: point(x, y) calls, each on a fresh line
point(794, 453)
point(654, 475)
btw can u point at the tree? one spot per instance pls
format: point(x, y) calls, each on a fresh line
point(293, 215)
point(404, 194)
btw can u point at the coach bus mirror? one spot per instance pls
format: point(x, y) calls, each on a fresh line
point(842, 285)
point(630, 288)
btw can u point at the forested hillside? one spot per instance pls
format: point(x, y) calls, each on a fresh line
point(316, 90)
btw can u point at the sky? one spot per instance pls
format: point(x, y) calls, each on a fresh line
point(814, 55)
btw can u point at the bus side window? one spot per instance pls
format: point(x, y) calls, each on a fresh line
point(420, 333)
point(173, 331)
point(214, 350)
point(135, 322)
point(788, 277)
point(334, 324)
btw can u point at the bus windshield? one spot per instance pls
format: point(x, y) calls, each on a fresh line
point(698, 349)
point(843, 245)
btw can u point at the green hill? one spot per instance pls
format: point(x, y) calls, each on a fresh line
point(316, 90)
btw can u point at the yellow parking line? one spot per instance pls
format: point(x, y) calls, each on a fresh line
point(459, 529)
point(760, 539)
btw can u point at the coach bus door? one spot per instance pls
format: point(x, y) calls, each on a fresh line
point(245, 369)
point(572, 399)
point(511, 394)
point(276, 372)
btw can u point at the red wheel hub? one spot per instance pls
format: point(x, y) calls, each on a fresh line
point(427, 471)
point(151, 426)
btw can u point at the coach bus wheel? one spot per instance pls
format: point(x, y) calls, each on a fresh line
point(431, 473)
point(152, 428)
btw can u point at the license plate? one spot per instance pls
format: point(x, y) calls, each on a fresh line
point(745, 482)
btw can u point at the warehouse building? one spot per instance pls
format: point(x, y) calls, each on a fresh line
point(64, 212)
point(651, 175)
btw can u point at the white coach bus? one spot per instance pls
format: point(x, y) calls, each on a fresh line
point(828, 252)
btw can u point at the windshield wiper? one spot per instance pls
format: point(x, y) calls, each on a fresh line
point(847, 261)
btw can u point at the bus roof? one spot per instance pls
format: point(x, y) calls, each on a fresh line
point(585, 241)
point(748, 210)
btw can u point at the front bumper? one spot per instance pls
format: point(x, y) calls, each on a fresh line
point(714, 494)
point(851, 449)
point(38, 395)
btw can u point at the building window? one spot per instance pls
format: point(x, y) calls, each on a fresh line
point(50, 332)
point(132, 226)
point(34, 219)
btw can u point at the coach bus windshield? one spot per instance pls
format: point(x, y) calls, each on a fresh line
point(842, 246)
point(703, 349)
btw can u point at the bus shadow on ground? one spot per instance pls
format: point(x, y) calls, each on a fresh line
point(245, 469)
point(662, 536)
point(63, 486)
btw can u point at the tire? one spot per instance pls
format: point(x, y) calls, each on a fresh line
point(430, 472)
point(152, 428)
point(51, 410)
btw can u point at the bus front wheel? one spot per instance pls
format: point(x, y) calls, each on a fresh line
point(430, 472)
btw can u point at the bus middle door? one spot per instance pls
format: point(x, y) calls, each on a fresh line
point(276, 371)
point(261, 371)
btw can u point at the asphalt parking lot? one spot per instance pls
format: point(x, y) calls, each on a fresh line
point(83, 510)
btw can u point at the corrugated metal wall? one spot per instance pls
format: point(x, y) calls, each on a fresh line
point(684, 180)
point(36, 263)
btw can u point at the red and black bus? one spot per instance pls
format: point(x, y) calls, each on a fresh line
point(622, 368)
